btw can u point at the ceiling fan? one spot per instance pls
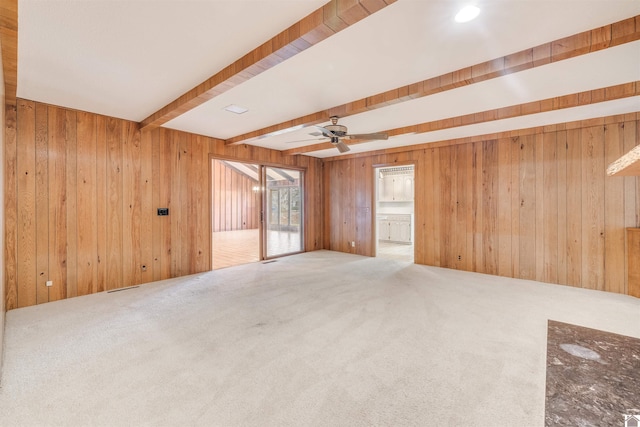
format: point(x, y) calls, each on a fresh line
point(338, 133)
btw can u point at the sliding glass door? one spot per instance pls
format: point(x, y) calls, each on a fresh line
point(256, 212)
point(283, 211)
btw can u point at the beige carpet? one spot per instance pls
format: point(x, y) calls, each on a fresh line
point(322, 338)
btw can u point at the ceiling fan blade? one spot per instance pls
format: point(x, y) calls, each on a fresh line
point(315, 133)
point(326, 132)
point(304, 140)
point(369, 136)
point(342, 147)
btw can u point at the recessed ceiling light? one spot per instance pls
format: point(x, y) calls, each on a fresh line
point(236, 109)
point(467, 13)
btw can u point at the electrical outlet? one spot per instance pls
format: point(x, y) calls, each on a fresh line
point(353, 244)
point(49, 283)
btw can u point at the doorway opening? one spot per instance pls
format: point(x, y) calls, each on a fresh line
point(235, 213)
point(256, 212)
point(395, 212)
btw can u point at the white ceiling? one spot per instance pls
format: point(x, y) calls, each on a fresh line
point(130, 58)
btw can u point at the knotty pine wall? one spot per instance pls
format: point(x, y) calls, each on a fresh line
point(237, 205)
point(534, 204)
point(81, 193)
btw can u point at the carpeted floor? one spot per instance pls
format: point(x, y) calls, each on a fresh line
point(321, 338)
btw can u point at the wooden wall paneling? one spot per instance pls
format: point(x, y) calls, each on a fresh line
point(216, 170)
point(233, 213)
point(593, 173)
point(90, 184)
point(437, 208)
point(26, 180)
point(526, 187)
point(516, 204)
point(166, 200)
point(338, 178)
point(175, 147)
point(42, 203)
point(465, 196)
point(489, 206)
point(10, 208)
point(186, 239)
point(548, 211)
point(57, 204)
point(539, 206)
point(364, 200)
point(228, 202)
point(561, 223)
point(203, 262)
point(614, 229)
point(447, 207)
point(631, 186)
point(198, 219)
point(477, 186)
point(102, 203)
point(349, 214)
point(87, 199)
point(71, 141)
point(527, 233)
point(190, 210)
point(152, 139)
point(423, 204)
point(147, 212)
point(504, 189)
point(328, 225)
point(114, 256)
point(315, 184)
point(574, 214)
point(130, 207)
point(179, 195)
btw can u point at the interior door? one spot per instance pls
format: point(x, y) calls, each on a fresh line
point(283, 224)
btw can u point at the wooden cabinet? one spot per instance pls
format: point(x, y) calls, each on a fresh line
point(633, 261)
point(395, 228)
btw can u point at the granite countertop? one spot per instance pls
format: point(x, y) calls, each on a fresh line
point(593, 376)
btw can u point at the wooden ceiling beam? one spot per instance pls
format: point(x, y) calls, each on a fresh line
point(551, 104)
point(317, 26)
point(9, 40)
point(594, 40)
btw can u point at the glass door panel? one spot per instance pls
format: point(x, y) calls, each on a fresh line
point(283, 230)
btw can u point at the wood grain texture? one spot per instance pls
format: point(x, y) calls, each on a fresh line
point(558, 50)
point(81, 197)
point(26, 180)
point(312, 29)
point(9, 43)
point(633, 245)
point(536, 206)
point(71, 143)
point(42, 204)
point(248, 202)
point(87, 205)
point(10, 208)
